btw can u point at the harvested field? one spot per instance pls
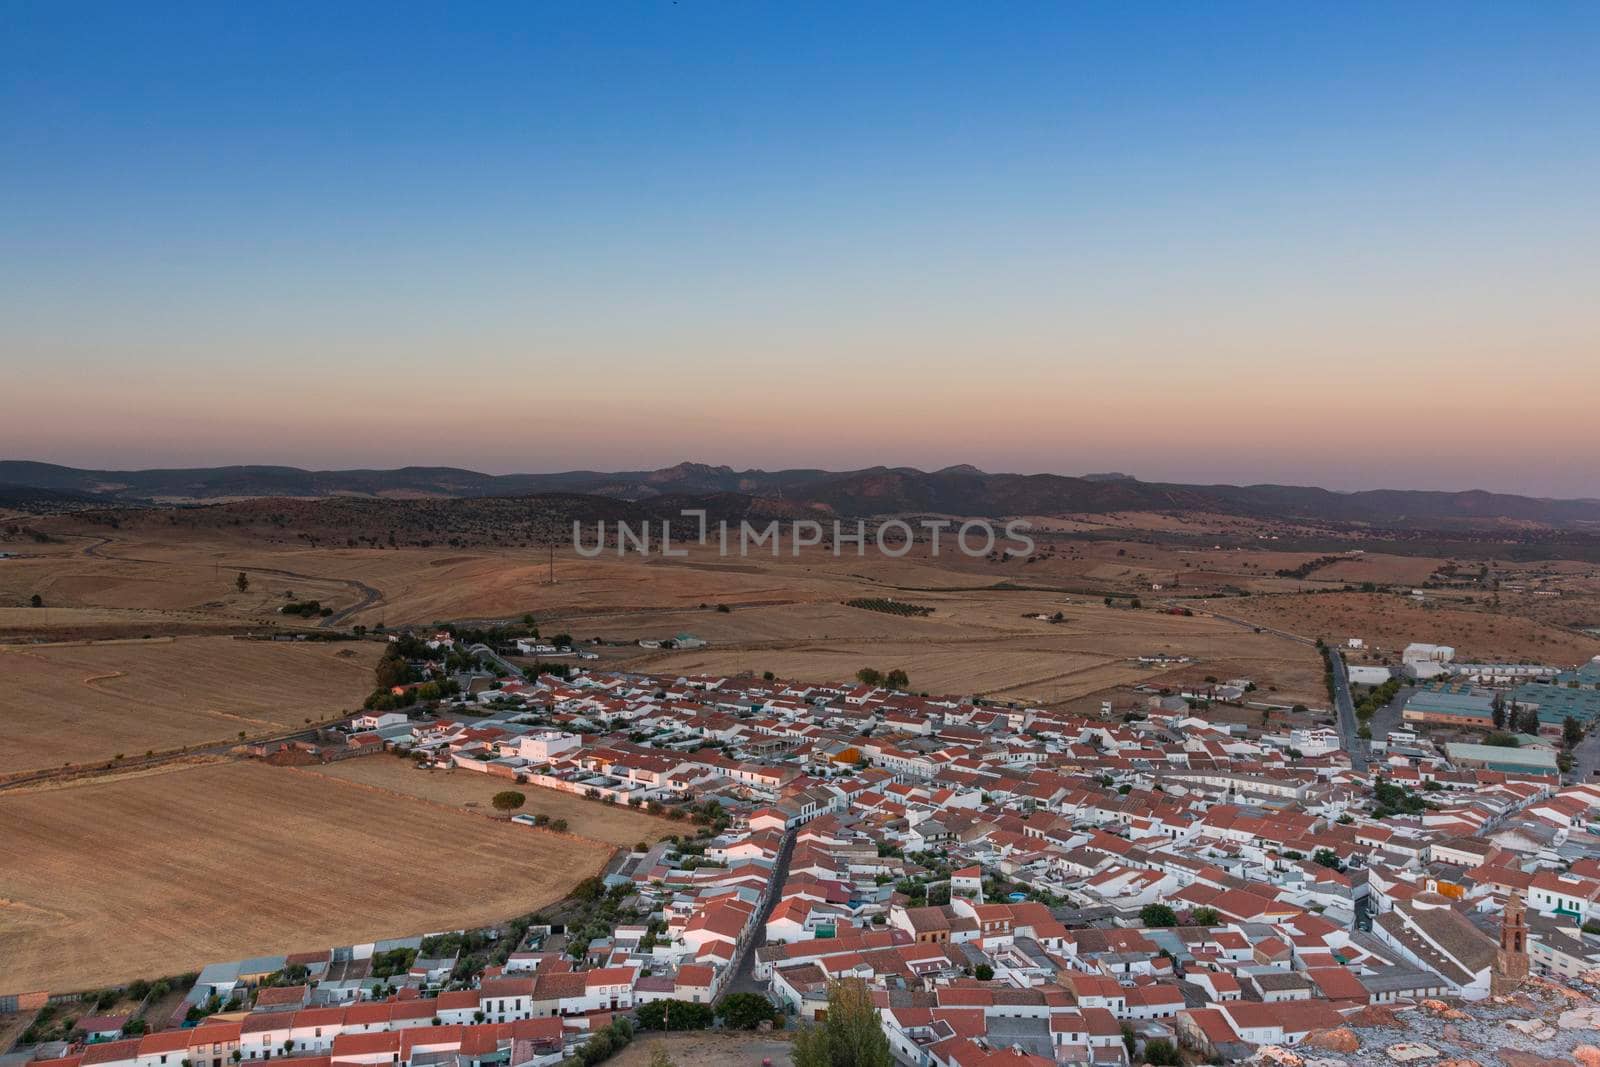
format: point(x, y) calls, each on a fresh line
point(1391, 622)
point(78, 703)
point(122, 878)
point(620, 826)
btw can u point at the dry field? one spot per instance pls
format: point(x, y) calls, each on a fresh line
point(710, 1050)
point(787, 615)
point(121, 878)
point(1392, 622)
point(619, 826)
point(976, 643)
point(78, 703)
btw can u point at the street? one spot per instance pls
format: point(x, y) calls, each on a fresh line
point(1346, 710)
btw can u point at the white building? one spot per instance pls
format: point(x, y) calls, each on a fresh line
point(1427, 661)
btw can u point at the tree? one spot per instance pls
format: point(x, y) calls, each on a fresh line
point(850, 1037)
point(36, 600)
point(746, 1011)
point(866, 675)
point(1571, 732)
point(242, 582)
point(983, 972)
point(508, 800)
point(1156, 915)
point(1527, 721)
point(1205, 917)
point(896, 679)
point(1327, 857)
point(392, 670)
point(1498, 706)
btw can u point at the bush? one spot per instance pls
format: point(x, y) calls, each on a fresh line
point(1160, 1052)
point(675, 1015)
point(746, 1011)
point(1158, 915)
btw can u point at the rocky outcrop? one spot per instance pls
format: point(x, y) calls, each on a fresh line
point(1339, 1039)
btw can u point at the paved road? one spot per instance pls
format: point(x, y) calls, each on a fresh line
point(1346, 710)
point(494, 657)
point(1586, 757)
point(744, 980)
point(1388, 716)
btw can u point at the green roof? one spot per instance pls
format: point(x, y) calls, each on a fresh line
point(1506, 759)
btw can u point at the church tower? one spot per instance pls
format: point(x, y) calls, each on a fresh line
point(1511, 961)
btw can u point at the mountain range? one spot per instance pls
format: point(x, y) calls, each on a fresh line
point(958, 490)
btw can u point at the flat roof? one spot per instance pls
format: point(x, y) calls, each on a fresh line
point(1541, 758)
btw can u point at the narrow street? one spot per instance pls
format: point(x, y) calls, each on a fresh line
point(743, 980)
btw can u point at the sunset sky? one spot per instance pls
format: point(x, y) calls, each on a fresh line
point(1341, 244)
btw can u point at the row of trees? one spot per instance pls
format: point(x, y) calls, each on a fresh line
point(895, 679)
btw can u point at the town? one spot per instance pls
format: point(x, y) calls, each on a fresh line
point(1004, 881)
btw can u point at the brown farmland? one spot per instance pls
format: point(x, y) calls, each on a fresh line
point(621, 826)
point(79, 703)
point(121, 878)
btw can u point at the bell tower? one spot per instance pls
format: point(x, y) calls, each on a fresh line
point(1511, 961)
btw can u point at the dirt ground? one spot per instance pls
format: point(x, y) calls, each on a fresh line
point(787, 613)
point(1390, 622)
point(80, 703)
point(156, 873)
point(710, 1050)
point(615, 825)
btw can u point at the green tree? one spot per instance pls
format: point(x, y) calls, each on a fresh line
point(36, 600)
point(1205, 917)
point(897, 679)
point(1571, 732)
point(983, 972)
point(851, 1036)
point(1157, 915)
point(508, 800)
point(866, 675)
point(392, 670)
point(1327, 857)
point(746, 1011)
point(242, 582)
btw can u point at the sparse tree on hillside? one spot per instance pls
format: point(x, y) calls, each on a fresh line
point(36, 600)
point(242, 582)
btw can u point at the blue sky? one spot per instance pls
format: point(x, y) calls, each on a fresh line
point(1211, 242)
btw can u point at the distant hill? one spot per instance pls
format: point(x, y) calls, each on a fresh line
point(959, 490)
